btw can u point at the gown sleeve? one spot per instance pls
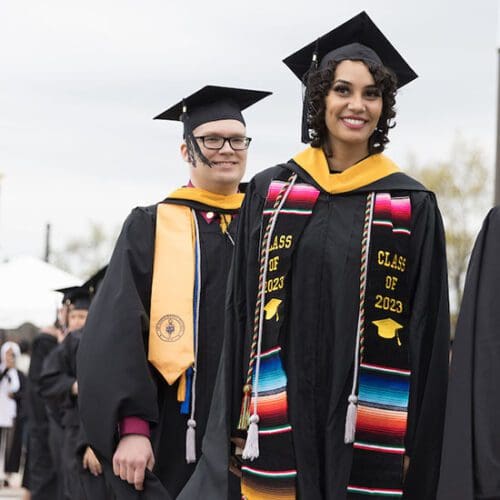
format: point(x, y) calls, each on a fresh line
point(55, 382)
point(429, 331)
point(113, 374)
point(470, 466)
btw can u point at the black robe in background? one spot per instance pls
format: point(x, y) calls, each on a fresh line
point(115, 378)
point(319, 331)
point(470, 466)
point(56, 382)
point(41, 474)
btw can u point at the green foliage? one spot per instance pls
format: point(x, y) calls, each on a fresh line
point(463, 189)
point(85, 255)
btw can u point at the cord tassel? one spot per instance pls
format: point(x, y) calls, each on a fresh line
point(350, 420)
point(245, 408)
point(191, 442)
point(251, 450)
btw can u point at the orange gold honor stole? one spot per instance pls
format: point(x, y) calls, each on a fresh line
point(171, 330)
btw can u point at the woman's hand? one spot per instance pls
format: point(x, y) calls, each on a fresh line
point(132, 456)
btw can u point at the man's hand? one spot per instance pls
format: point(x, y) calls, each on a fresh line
point(132, 456)
point(74, 388)
point(91, 462)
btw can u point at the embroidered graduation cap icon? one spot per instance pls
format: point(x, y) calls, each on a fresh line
point(357, 39)
point(271, 309)
point(387, 328)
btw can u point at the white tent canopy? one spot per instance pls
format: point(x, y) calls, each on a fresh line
point(27, 291)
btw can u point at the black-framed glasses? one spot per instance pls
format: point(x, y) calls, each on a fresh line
point(217, 142)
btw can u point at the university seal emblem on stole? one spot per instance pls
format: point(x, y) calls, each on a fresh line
point(170, 328)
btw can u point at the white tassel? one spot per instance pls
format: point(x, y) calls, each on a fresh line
point(191, 442)
point(251, 451)
point(350, 420)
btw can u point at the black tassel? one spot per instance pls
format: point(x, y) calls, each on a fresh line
point(306, 102)
point(193, 147)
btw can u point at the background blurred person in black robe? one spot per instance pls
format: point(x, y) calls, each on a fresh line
point(58, 385)
point(40, 475)
point(118, 386)
point(348, 110)
point(470, 466)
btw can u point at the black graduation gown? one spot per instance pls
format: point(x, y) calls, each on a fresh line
point(55, 417)
point(56, 383)
point(470, 466)
point(40, 470)
point(115, 378)
point(318, 336)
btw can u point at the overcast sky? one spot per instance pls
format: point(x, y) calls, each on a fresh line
point(81, 81)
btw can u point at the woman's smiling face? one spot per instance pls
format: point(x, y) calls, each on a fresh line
point(353, 106)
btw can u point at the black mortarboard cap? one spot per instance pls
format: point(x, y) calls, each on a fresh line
point(94, 281)
point(212, 103)
point(79, 297)
point(357, 39)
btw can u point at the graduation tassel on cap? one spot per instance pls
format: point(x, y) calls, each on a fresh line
point(193, 147)
point(305, 100)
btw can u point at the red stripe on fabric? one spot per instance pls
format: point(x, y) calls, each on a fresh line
point(401, 212)
point(382, 208)
point(272, 409)
point(381, 422)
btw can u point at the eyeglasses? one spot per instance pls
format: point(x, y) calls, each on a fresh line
point(217, 142)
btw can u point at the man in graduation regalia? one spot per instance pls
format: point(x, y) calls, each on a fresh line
point(470, 464)
point(148, 360)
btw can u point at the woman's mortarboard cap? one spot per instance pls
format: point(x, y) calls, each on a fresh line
point(356, 39)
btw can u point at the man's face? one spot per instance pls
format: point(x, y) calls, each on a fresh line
point(76, 319)
point(228, 165)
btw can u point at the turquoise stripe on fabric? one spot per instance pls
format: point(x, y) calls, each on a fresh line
point(384, 389)
point(272, 376)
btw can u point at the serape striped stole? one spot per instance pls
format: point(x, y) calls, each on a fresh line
point(384, 374)
point(272, 475)
point(384, 371)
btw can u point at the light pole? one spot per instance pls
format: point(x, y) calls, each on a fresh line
point(497, 161)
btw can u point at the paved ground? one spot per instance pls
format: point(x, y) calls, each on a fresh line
point(11, 493)
point(14, 492)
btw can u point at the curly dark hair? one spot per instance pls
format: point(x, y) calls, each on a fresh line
point(319, 83)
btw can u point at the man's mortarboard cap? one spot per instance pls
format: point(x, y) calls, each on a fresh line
point(212, 103)
point(356, 39)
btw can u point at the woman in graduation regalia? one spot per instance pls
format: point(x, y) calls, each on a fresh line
point(147, 362)
point(337, 314)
